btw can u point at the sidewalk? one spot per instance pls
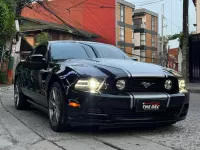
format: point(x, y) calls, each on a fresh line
point(194, 87)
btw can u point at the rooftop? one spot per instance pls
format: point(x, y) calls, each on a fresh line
point(146, 11)
point(126, 3)
point(44, 25)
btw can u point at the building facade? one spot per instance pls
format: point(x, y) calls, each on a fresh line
point(36, 31)
point(125, 27)
point(173, 59)
point(197, 5)
point(146, 35)
point(110, 20)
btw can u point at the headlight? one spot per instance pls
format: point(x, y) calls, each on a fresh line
point(182, 87)
point(121, 84)
point(168, 84)
point(89, 85)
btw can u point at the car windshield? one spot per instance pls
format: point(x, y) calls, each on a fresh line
point(61, 51)
point(109, 51)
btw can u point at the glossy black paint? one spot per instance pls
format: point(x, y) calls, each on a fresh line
point(37, 76)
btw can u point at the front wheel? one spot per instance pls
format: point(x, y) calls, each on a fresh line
point(20, 100)
point(57, 108)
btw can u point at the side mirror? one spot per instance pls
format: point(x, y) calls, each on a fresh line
point(37, 58)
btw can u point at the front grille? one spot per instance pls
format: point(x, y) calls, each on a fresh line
point(135, 85)
point(171, 113)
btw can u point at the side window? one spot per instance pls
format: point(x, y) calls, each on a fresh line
point(41, 50)
point(90, 51)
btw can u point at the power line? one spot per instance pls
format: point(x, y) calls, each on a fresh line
point(49, 10)
point(76, 5)
point(172, 23)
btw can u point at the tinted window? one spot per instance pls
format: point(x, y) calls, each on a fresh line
point(68, 51)
point(41, 50)
point(90, 51)
point(109, 51)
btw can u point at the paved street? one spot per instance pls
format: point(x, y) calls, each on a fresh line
point(30, 130)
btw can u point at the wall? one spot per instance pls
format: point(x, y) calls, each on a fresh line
point(198, 15)
point(128, 42)
point(94, 16)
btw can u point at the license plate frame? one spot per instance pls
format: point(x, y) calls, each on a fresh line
point(151, 105)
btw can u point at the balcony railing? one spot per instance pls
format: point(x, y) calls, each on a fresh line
point(139, 26)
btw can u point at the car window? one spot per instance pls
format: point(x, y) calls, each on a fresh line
point(109, 51)
point(90, 51)
point(41, 50)
point(61, 51)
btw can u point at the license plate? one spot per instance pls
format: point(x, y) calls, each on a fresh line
point(151, 105)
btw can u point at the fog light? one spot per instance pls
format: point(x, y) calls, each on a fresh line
point(168, 84)
point(121, 84)
point(182, 86)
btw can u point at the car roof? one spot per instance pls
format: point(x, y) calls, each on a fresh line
point(79, 42)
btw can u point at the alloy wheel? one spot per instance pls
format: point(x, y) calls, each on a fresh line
point(16, 95)
point(54, 106)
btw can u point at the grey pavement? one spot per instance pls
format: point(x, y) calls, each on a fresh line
point(30, 130)
point(194, 87)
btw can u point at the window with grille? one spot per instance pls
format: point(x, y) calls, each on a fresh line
point(122, 13)
point(153, 23)
point(137, 23)
point(154, 57)
point(153, 41)
point(132, 36)
point(122, 34)
point(142, 39)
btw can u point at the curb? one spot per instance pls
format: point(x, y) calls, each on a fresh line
point(197, 91)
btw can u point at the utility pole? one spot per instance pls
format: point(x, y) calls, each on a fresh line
point(162, 27)
point(162, 37)
point(185, 50)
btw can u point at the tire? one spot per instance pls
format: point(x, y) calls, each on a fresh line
point(20, 99)
point(57, 108)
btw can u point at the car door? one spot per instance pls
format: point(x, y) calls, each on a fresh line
point(38, 74)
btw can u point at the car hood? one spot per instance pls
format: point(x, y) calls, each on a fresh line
point(116, 67)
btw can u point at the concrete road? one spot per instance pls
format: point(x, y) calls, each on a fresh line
point(30, 130)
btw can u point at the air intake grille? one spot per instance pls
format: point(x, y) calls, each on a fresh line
point(157, 85)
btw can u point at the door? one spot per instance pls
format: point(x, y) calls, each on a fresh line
point(194, 55)
point(38, 74)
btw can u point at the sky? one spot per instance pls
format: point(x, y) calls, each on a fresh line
point(172, 11)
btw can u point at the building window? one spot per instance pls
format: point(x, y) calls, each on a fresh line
point(122, 33)
point(132, 36)
point(137, 23)
point(142, 55)
point(154, 57)
point(153, 23)
point(122, 13)
point(153, 41)
point(142, 39)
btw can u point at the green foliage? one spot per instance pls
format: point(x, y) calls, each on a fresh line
point(175, 36)
point(42, 37)
point(7, 17)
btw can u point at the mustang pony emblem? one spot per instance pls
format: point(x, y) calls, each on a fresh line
point(147, 84)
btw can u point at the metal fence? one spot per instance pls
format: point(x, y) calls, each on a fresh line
point(194, 58)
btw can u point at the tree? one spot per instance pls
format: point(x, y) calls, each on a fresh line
point(6, 22)
point(42, 37)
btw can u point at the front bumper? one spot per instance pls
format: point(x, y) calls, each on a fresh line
point(120, 109)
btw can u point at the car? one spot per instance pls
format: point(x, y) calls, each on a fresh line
point(94, 84)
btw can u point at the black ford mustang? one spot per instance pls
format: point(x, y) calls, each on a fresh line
point(87, 83)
